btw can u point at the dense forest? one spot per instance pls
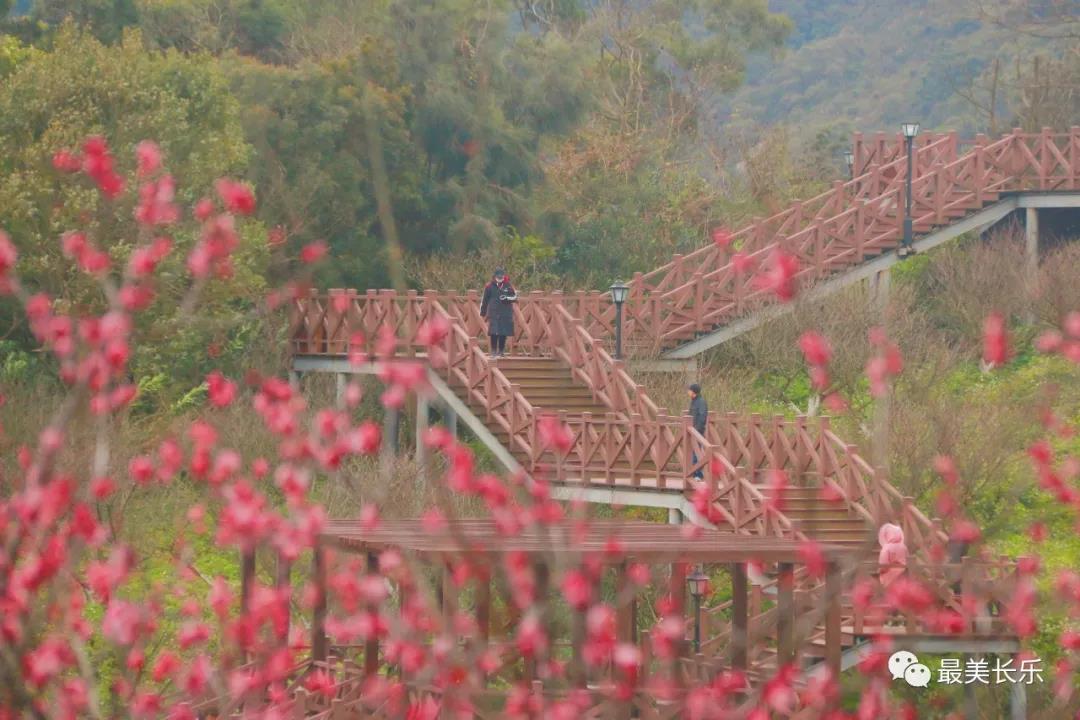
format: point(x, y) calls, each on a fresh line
point(423, 143)
point(572, 142)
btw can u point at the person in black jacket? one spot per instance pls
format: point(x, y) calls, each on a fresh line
point(699, 416)
point(497, 307)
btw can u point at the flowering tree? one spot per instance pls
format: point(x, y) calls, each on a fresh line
point(66, 577)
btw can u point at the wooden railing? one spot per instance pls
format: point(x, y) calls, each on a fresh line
point(640, 446)
point(699, 291)
point(885, 149)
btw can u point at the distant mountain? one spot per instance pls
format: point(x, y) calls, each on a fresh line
point(870, 65)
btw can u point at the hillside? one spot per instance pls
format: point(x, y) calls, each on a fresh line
point(864, 64)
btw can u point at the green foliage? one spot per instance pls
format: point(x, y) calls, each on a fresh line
point(250, 27)
point(312, 164)
point(12, 52)
point(106, 19)
point(52, 101)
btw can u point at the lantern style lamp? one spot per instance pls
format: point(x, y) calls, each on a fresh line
point(910, 130)
point(699, 584)
point(619, 292)
point(849, 160)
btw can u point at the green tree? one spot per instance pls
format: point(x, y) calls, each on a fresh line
point(53, 101)
point(106, 19)
point(250, 27)
point(313, 163)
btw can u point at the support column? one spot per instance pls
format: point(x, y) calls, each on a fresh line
point(340, 381)
point(371, 645)
point(740, 637)
point(283, 582)
point(543, 578)
point(674, 516)
point(294, 380)
point(625, 620)
point(1031, 248)
point(971, 705)
point(318, 614)
point(677, 588)
point(879, 293)
point(450, 420)
point(246, 581)
point(785, 619)
point(832, 620)
point(879, 289)
point(391, 425)
point(483, 608)
point(422, 419)
point(693, 371)
point(1017, 697)
point(578, 670)
point(247, 577)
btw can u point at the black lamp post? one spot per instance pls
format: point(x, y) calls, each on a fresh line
point(619, 293)
point(910, 130)
point(849, 159)
point(699, 583)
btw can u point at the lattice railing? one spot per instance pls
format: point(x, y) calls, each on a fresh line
point(639, 445)
point(838, 229)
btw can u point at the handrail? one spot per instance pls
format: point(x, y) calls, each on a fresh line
point(840, 227)
point(699, 291)
point(753, 236)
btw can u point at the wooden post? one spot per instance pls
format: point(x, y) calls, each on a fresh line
point(740, 637)
point(247, 578)
point(371, 645)
point(483, 607)
point(450, 420)
point(341, 380)
point(391, 423)
point(1031, 246)
point(283, 581)
point(578, 672)
point(832, 620)
point(624, 620)
point(422, 417)
point(677, 587)
point(624, 626)
point(318, 614)
point(1017, 697)
point(448, 601)
point(785, 609)
point(543, 576)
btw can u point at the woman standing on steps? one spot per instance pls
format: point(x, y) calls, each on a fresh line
point(497, 307)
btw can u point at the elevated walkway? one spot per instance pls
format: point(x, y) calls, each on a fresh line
point(873, 267)
point(621, 448)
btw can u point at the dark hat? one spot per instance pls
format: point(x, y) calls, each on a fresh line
point(695, 388)
point(500, 272)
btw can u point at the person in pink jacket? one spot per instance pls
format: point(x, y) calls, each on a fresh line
point(893, 552)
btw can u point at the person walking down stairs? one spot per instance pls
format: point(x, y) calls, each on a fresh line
point(497, 306)
point(699, 416)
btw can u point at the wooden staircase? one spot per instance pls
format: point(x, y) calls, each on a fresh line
point(823, 520)
point(549, 386)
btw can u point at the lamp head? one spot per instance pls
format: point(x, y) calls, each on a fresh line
point(698, 582)
point(910, 129)
point(619, 292)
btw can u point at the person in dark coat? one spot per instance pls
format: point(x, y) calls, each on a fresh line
point(699, 415)
point(497, 306)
